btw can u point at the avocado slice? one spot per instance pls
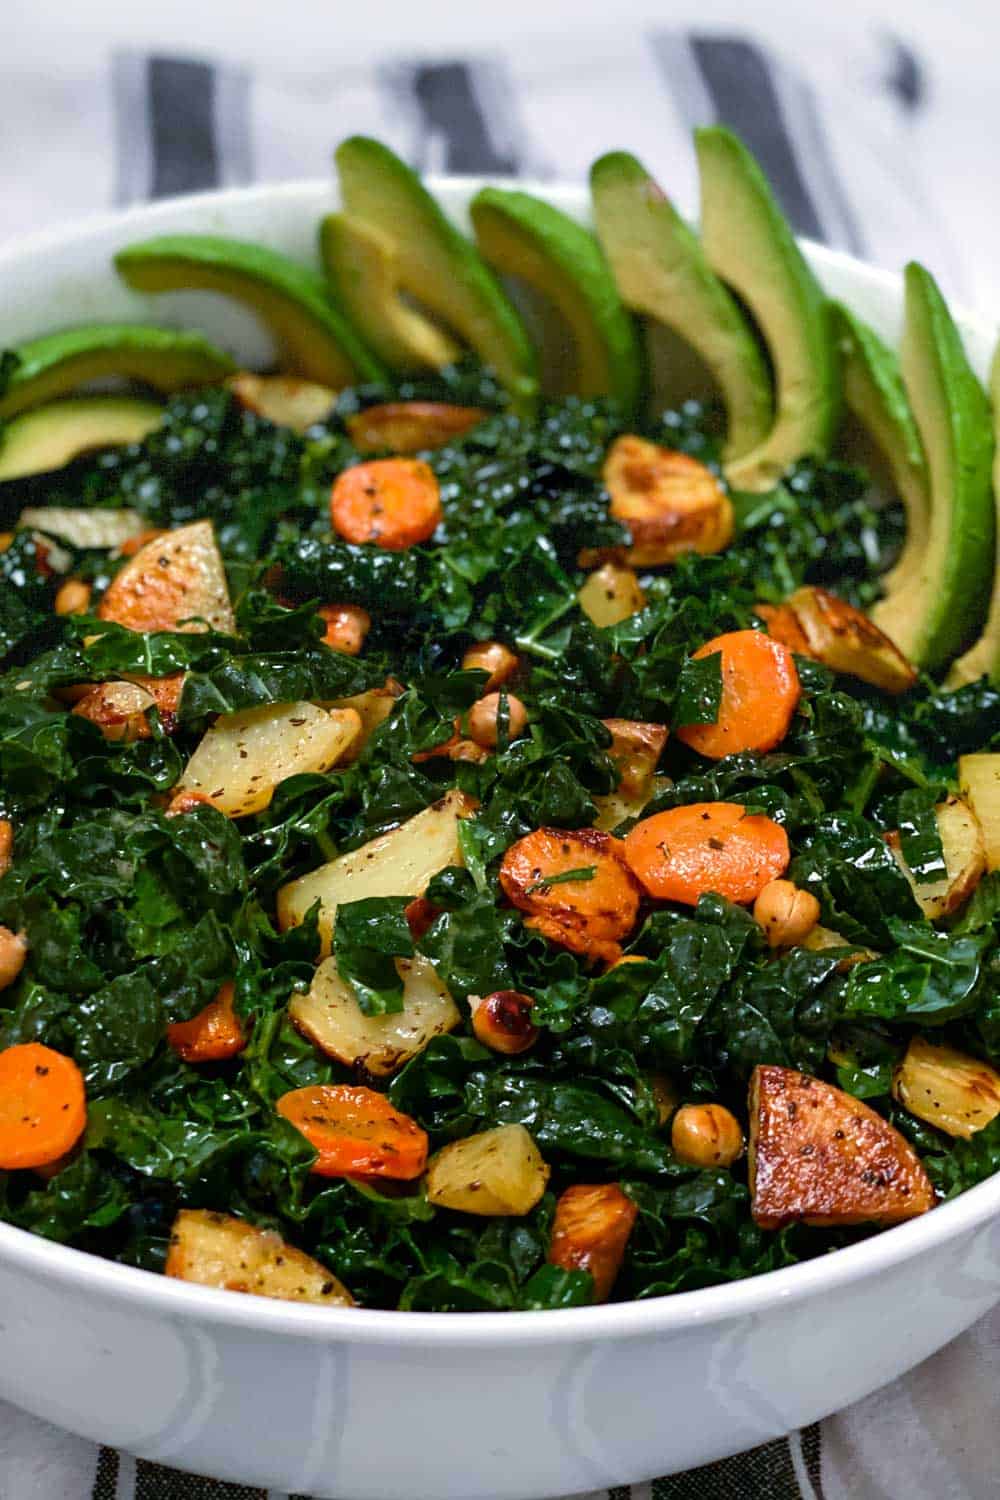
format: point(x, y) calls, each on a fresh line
point(59, 363)
point(521, 236)
point(875, 396)
point(949, 593)
point(984, 656)
point(749, 244)
point(316, 337)
point(51, 436)
point(662, 271)
point(424, 257)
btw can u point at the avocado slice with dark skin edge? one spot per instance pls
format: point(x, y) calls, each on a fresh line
point(521, 236)
point(59, 363)
point(984, 656)
point(750, 246)
point(875, 396)
point(315, 335)
point(48, 437)
point(662, 272)
point(950, 592)
point(433, 263)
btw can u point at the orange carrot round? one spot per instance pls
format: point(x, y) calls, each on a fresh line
point(213, 1035)
point(392, 502)
point(707, 846)
point(589, 914)
point(43, 1106)
point(356, 1132)
point(760, 693)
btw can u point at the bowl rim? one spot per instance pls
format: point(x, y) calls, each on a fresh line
point(152, 1292)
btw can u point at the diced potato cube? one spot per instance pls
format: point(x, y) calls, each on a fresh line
point(611, 594)
point(979, 779)
point(175, 582)
point(244, 756)
point(374, 707)
point(329, 1014)
point(947, 1088)
point(636, 749)
point(400, 863)
point(819, 1155)
point(614, 807)
point(497, 1173)
point(964, 857)
point(217, 1250)
point(847, 641)
point(285, 400)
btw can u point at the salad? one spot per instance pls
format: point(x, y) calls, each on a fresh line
point(476, 834)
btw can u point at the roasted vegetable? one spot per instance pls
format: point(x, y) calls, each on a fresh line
point(610, 594)
point(964, 857)
point(760, 693)
point(218, 1250)
point(575, 888)
point(706, 1135)
point(410, 426)
point(670, 502)
point(502, 1021)
point(330, 1015)
point(356, 1132)
point(682, 854)
point(979, 780)
point(497, 1173)
point(43, 1106)
point(590, 1231)
point(947, 1088)
point(284, 400)
point(390, 502)
point(822, 1156)
point(175, 582)
point(845, 640)
point(786, 914)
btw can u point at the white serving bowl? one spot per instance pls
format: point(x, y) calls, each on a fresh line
point(370, 1405)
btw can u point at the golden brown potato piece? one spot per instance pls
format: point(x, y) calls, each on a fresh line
point(846, 641)
point(670, 502)
point(590, 1232)
point(636, 749)
point(499, 1173)
point(329, 1014)
point(410, 426)
point(374, 706)
point(947, 1088)
point(217, 1250)
point(284, 400)
point(783, 625)
point(610, 595)
point(175, 582)
point(964, 857)
point(589, 915)
point(400, 863)
point(979, 780)
point(820, 1155)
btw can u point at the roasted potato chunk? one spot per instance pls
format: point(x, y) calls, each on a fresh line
point(636, 749)
point(819, 1155)
point(83, 527)
point(175, 582)
point(410, 426)
point(118, 709)
point(783, 625)
point(979, 780)
point(590, 1232)
point(964, 857)
point(329, 1014)
point(399, 863)
point(846, 641)
point(244, 756)
point(374, 707)
point(498, 1173)
point(217, 1250)
point(947, 1088)
point(284, 400)
point(610, 594)
point(670, 502)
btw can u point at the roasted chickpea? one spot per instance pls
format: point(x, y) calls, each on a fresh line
point(73, 597)
point(13, 952)
point(493, 657)
point(786, 913)
point(483, 719)
point(706, 1135)
point(502, 1022)
point(6, 844)
point(185, 802)
point(346, 627)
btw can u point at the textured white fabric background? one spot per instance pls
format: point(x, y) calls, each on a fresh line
point(891, 109)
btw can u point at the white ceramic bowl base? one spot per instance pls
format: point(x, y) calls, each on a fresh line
point(368, 1405)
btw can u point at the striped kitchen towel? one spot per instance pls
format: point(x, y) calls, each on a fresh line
point(870, 126)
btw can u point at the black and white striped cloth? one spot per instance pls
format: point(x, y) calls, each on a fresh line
point(875, 126)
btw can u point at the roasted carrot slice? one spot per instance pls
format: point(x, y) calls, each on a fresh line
point(783, 625)
point(410, 426)
point(214, 1034)
point(589, 913)
point(43, 1106)
point(346, 627)
point(356, 1132)
point(760, 693)
point(392, 502)
point(590, 1232)
point(681, 854)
